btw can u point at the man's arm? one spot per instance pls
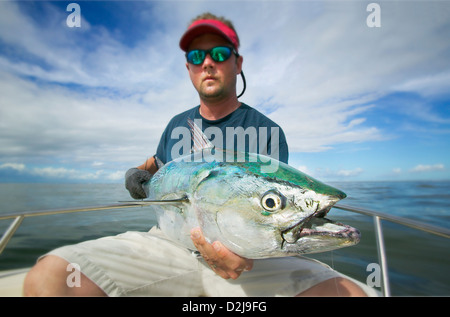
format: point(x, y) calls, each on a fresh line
point(149, 165)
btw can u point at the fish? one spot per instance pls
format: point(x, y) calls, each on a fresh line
point(255, 213)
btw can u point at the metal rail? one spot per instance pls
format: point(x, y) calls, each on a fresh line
point(19, 216)
point(443, 232)
point(440, 231)
point(377, 216)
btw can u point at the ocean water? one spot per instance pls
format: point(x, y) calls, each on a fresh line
point(418, 262)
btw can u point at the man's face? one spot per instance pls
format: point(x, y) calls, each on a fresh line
point(214, 81)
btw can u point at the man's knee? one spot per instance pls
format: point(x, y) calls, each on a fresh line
point(54, 276)
point(337, 286)
point(46, 277)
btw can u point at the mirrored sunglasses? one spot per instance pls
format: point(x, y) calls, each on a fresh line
point(218, 54)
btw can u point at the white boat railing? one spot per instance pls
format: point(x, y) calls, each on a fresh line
point(382, 259)
point(377, 216)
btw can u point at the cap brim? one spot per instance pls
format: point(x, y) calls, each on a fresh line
point(198, 30)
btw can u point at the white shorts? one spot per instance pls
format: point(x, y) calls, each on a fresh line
point(149, 264)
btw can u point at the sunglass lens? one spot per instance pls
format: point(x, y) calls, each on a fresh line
point(220, 54)
point(196, 57)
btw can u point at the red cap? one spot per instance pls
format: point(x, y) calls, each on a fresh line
point(201, 27)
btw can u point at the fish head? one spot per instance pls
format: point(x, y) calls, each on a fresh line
point(259, 215)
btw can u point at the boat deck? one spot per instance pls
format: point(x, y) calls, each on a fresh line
point(11, 282)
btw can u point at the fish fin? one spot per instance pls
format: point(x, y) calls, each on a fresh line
point(158, 162)
point(175, 201)
point(201, 142)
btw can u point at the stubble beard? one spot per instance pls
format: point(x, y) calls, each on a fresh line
point(209, 92)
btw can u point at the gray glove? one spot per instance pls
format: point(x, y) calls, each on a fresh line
point(134, 178)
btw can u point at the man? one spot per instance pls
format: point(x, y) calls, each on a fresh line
point(147, 263)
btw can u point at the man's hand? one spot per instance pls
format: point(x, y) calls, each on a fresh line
point(221, 260)
point(134, 178)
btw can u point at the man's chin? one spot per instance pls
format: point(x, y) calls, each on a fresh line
point(211, 94)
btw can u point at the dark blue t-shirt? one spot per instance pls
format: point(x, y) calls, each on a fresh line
point(245, 129)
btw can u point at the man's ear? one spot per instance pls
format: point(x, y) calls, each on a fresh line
point(239, 61)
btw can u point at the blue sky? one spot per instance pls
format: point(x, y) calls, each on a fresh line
point(357, 103)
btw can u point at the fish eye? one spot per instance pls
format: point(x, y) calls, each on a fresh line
point(272, 201)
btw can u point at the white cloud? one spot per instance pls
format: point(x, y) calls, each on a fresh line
point(66, 174)
point(341, 174)
point(304, 169)
point(63, 173)
point(428, 85)
point(350, 173)
point(428, 168)
point(13, 166)
point(116, 176)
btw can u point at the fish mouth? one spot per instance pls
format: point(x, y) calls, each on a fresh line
point(322, 228)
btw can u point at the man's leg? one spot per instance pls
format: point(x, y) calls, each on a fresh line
point(129, 264)
point(335, 287)
point(49, 278)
